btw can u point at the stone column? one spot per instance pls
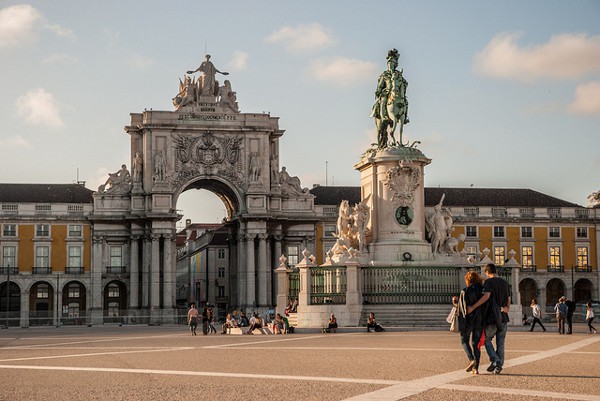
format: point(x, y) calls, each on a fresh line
point(146, 262)
point(353, 292)
point(155, 275)
point(95, 296)
point(24, 309)
point(304, 315)
point(282, 286)
point(168, 280)
point(263, 271)
point(310, 244)
point(58, 299)
point(251, 271)
point(276, 255)
point(241, 269)
point(134, 272)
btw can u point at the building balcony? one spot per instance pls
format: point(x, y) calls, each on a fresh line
point(556, 268)
point(583, 269)
point(73, 270)
point(4, 271)
point(116, 269)
point(529, 269)
point(42, 270)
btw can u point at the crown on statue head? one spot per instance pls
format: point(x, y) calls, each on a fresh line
point(393, 55)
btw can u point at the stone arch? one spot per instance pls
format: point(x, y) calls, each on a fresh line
point(528, 288)
point(74, 301)
point(555, 288)
point(41, 303)
point(228, 193)
point(115, 301)
point(13, 297)
point(583, 290)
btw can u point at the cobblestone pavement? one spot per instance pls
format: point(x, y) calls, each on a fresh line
point(167, 363)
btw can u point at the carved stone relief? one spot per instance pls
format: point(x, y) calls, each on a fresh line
point(208, 154)
point(403, 180)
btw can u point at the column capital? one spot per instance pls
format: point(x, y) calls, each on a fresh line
point(250, 236)
point(241, 237)
point(155, 237)
point(278, 237)
point(263, 236)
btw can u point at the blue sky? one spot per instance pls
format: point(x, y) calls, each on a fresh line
point(502, 94)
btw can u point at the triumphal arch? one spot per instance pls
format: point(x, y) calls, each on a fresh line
point(204, 142)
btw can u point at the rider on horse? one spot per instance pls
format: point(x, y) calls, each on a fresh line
point(391, 108)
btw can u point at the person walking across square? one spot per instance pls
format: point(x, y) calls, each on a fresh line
point(589, 317)
point(561, 313)
point(496, 291)
point(537, 315)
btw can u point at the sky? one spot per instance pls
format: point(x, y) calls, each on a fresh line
point(502, 94)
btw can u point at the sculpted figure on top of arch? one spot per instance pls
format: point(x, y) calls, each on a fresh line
point(290, 185)
point(594, 199)
point(118, 182)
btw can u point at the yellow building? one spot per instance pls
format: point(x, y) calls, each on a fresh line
point(45, 253)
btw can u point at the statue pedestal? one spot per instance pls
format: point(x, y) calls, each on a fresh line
point(392, 186)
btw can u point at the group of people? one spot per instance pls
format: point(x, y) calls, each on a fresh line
point(482, 313)
point(208, 319)
point(565, 309)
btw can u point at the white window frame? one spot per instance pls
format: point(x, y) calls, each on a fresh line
point(220, 253)
point(115, 256)
point(42, 260)
point(525, 258)
point(499, 228)
point(75, 231)
point(72, 256)
point(470, 228)
point(530, 228)
point(580, 257)
point(551, 257)
point(581, 232)
point(499, 255)
point(40, 232)
point(9, 233)
point(293, 255)
point(554, 232)
point(9, 258)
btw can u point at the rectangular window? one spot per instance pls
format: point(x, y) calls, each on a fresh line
point(293, 251)
point(329, 230)
point(582, 232)
point(9, 256)
point(42, 230)
point(554, 232)
point(10, 209)
point(42, 256)
point(73, 291)
point(555, 256)
point(221, 272)
point(471, 231)
point(526, 232)
point(582, 256)
point(527, 256)
point(498, 232)
point(116, 256)
point(43, 291)
point(9, 230)
point(75, 256)
point(221, 291)
point(221, 253)
point(75, 230)
point(499, 255)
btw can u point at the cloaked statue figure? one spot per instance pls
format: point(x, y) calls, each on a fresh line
point(391, 106)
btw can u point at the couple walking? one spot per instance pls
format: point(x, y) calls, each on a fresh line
point(483, 308)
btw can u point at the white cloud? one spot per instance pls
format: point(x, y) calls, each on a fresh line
point(342, 71)
point(239, 61)
point(61, 59)
point(587, 99)
point(564, 56)
point(61, 31)
point(17, 24)
point(39, 107)
point(302, 38)
point(16, 141)
point(139, 62)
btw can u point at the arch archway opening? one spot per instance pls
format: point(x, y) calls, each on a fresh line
point(213, 201)
point(10, 304)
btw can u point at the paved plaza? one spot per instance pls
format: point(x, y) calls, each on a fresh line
point(167, 363)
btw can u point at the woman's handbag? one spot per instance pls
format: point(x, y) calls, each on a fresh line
point(454, 324)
